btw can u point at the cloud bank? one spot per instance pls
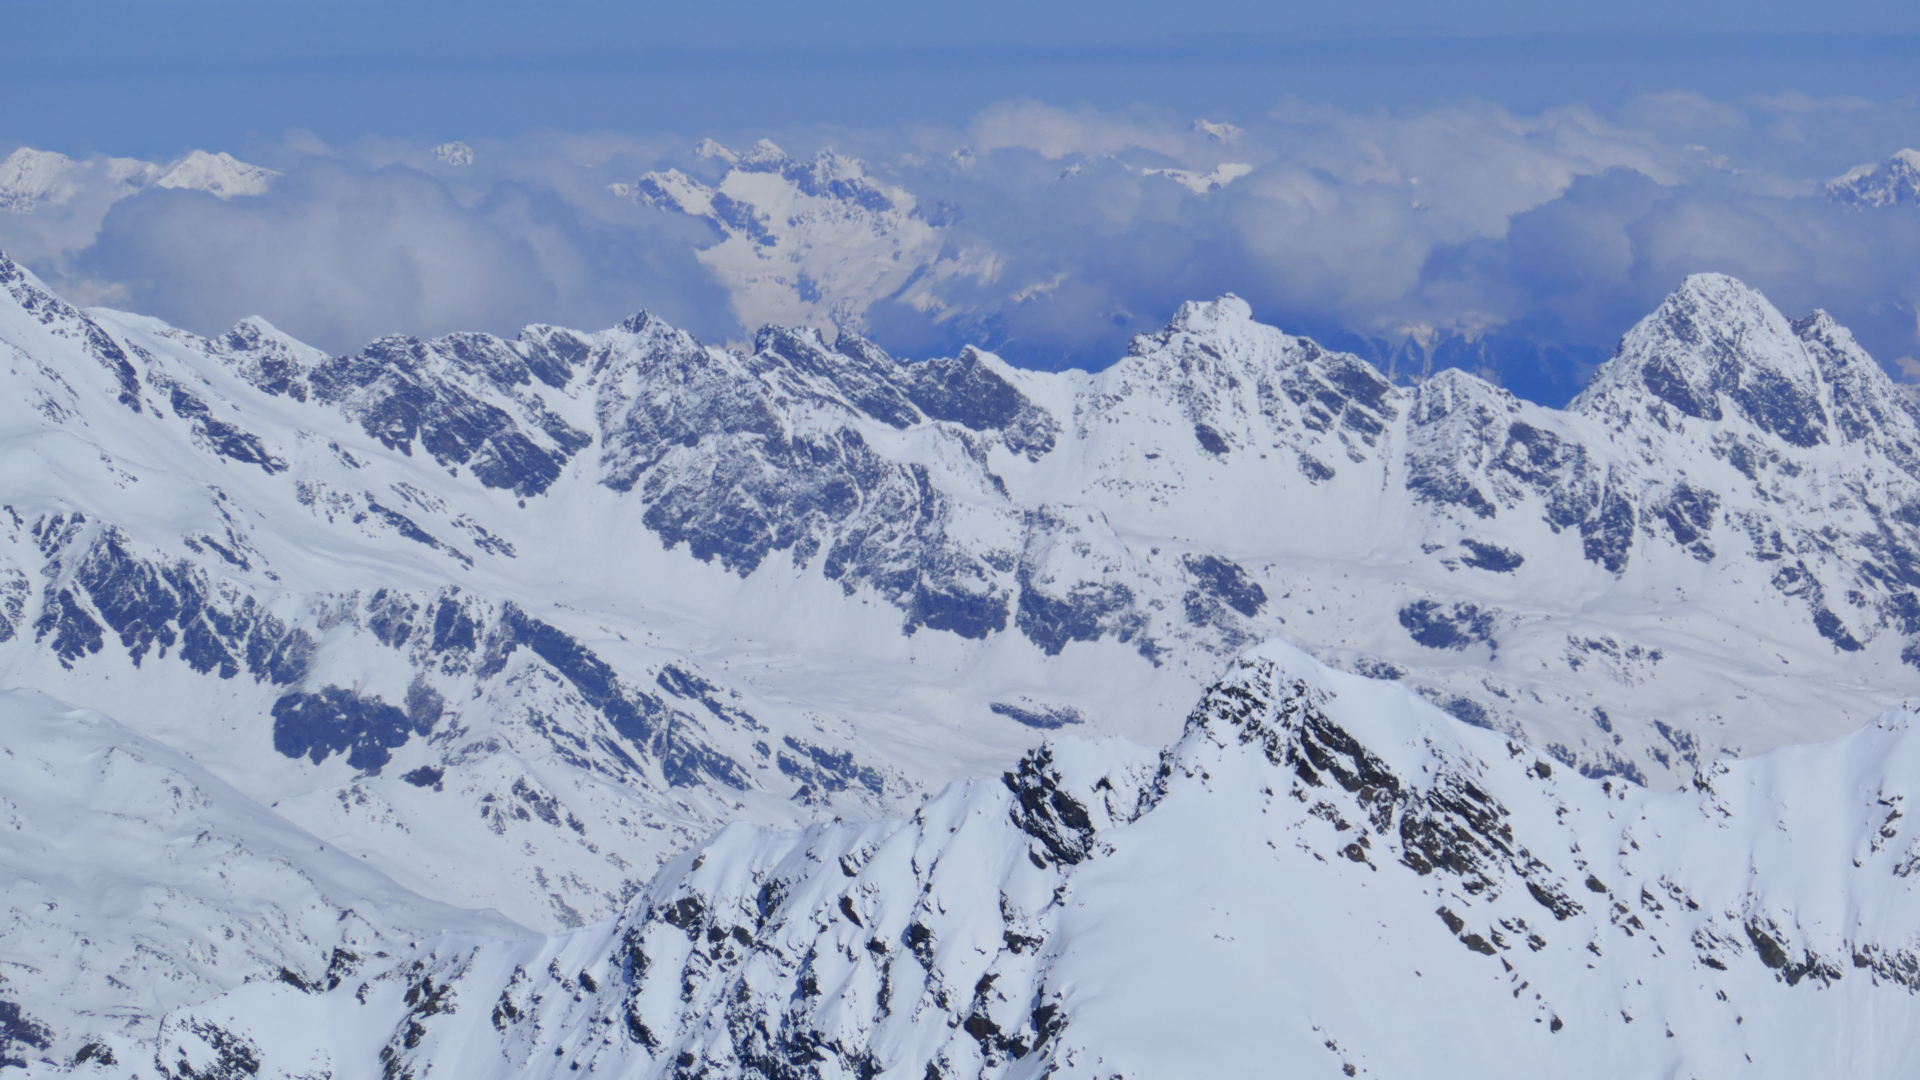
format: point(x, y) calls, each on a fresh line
point(1049, 234)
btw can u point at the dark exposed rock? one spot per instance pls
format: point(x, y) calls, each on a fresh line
point(1447, 627)
point(405, 526)
point(453, 628)
point(1043, 717)
point(426, 776)
point(966, 391)
point(826, 770)
point(1607, 537)
point(1227, 581)
point(1460, 707)
point(1452, 826)
point(1088, 612)
point(642, 718)
point(20, 1033)
point(685, 684)
point(225, 439)
point(1337, 392)
point(1689, 512)
point(403, 391)
point(1769, 944)
point(335, 720)
point(233, 1056)
point(1046, 812)
point(1313, 468)
point(155, 605)
point(1491, 557)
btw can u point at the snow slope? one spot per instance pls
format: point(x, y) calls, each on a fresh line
point(137, 882)
point(1324, 876)
point(513, 623)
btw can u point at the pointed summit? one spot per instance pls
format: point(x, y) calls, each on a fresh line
point(1715, 349)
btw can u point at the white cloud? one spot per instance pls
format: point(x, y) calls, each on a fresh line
point(1218, 132)
point(1201, 183)
point(1053, 133)
point(1049, 233)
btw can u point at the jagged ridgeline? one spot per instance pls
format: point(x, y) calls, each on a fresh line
point(508, 623)
point(1324, 875)
point(1180, 504)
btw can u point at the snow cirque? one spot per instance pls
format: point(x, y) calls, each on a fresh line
point(1325, 874)
point(513, 624)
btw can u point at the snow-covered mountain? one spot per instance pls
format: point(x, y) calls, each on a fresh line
point(813, 241)
point(30, 179)
point(1895, 180)
point(1324, 875)
point(29, 176)
point(816, 241)
point(511, 624)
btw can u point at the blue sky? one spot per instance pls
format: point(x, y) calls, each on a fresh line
point(155, 76)
point(1542, 173)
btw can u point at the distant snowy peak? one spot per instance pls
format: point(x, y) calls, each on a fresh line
point(457, 154)
point(1224, 314)
point(802, 241)
point(1895, 180)
point(216, 174)
point(825, 175)
point(31, 178)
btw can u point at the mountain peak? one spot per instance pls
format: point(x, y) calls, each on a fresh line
point(1201, 316)
point(1714, 348)
point(1895, 180)
point(29, 177)
point(1713, 287)
point(221, 175)
point(641, 322)
point(786, 339)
